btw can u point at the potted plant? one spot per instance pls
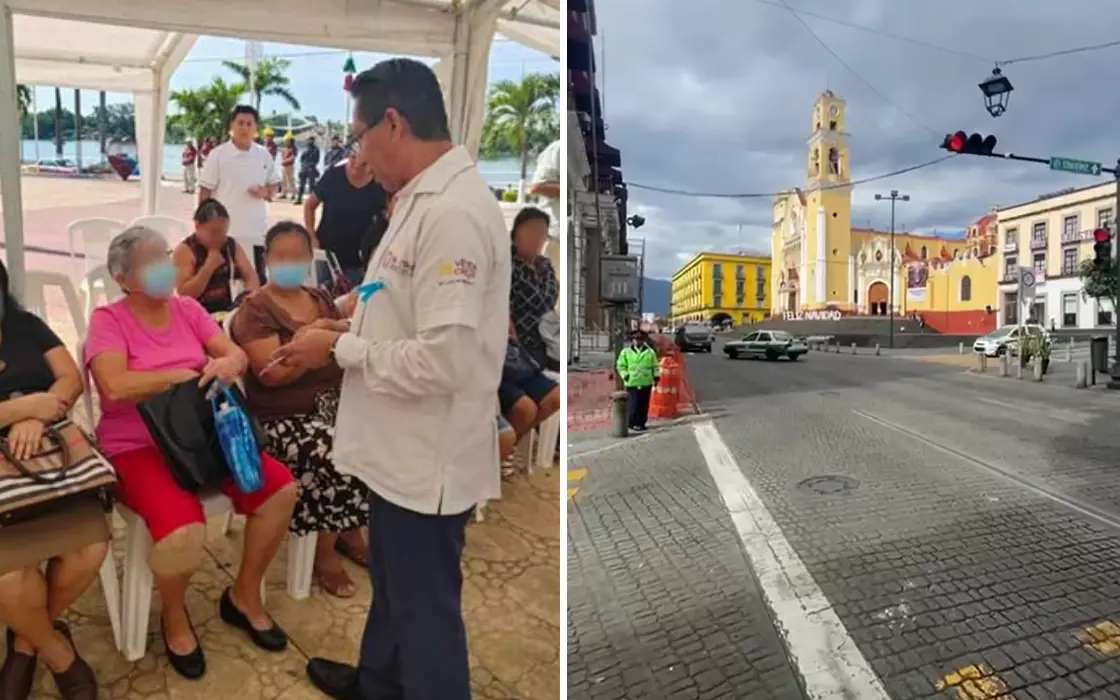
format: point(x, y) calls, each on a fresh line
point(1036, 346)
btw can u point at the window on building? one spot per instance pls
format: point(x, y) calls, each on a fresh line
point(966, 288)
point(1010, 266)
point(1104, 315)
point(1011, 237)
point(1039, 263)
point(1104, 217)
point(717, 270)
point(760, 283)
point(1069, 227)
point(1069, 260)
point(740, 272)
point(1010, 309)
point(1069, 310)
point(1038, 232)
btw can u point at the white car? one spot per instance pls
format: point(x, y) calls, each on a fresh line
point(1006, 340)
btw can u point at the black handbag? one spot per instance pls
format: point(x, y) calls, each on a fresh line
point(181, 422)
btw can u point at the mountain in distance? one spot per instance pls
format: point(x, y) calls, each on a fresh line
point(655, 296)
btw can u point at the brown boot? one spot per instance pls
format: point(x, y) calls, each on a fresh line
point(17, 675)
point(77, 682)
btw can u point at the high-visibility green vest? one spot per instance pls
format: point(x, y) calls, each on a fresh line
point(637, 366)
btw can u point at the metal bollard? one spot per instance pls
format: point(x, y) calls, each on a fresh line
point(1018, 368)
point(853, 348)
point(1082, 375)
point(960, 348)
point(876, 348)
point(1003, 368)
point(619, 427)
point(981, 362)
point(1069, 351)
point(838, 347)
point(1036, 368)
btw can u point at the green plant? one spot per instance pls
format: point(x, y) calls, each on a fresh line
point(1035, 346)
point(203, 112)
point(521, 117)
point(509, 195)
point(1099, 284)
point(269, 78)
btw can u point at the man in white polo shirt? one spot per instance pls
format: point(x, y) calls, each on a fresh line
point(242, 175)
point(419, 395)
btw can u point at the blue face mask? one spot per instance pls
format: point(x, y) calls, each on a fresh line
point(288, 275)
point(158, 280)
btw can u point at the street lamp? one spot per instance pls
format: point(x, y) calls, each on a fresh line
point(894, 197)
point(997, 91)
point(636, 221)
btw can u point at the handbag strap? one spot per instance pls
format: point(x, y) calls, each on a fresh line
point(50, 432)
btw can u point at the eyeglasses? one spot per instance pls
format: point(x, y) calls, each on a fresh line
point(353, 144)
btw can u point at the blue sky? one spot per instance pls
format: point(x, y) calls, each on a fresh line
point(316, 73)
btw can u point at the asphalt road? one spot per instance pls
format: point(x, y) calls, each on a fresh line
point(852, 527)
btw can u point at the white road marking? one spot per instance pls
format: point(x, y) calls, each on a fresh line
point(824, 653)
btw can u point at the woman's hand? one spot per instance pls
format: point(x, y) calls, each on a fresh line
point(348, 305)
point(227, 370)
point(25, 438)
point(45, 406)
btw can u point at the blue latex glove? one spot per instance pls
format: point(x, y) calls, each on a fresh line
point(367, 290)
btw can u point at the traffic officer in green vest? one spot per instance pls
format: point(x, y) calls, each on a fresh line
point(637, 366)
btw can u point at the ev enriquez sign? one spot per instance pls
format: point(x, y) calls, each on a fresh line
point(829, 315)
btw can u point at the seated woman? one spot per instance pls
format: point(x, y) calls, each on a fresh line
point(140, 346)
point(208, 260)
point(533, 289)
point(297, 405)
point(39, 383)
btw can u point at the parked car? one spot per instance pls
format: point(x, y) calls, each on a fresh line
point(768, 344)
point(693, 336)
point(1006, 340)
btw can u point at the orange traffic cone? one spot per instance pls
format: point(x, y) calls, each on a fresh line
point(663, 403)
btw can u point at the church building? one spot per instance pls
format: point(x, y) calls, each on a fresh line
point(820, 262)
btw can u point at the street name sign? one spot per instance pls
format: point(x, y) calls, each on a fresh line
point(1073, 165)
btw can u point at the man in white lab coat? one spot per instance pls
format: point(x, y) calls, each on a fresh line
point(422, 364)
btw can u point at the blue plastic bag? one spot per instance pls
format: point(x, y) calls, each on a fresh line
point(239, 444)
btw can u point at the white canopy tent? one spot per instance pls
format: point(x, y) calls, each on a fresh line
point(135, 46)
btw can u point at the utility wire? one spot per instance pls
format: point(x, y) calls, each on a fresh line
point(853, 71)
point(878, 32)
point(1063, 52)
point(770, 195)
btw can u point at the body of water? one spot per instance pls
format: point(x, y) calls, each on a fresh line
point(498, 173)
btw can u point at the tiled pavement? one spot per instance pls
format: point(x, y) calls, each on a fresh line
point(951, 565)
point(511, 603)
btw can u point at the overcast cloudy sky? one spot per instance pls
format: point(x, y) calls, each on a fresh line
point(716, 96)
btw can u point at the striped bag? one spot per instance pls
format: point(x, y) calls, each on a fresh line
point(67, 468)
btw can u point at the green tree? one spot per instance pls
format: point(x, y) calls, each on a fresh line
point(203, 112)
point(1100, 284)
point(270, 78)
point(521, 117)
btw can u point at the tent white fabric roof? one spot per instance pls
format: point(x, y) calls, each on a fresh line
point(135, 46)
point(115, 45)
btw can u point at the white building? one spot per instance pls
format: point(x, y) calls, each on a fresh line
point(1053, 234)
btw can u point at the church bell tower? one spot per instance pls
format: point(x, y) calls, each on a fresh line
point(828, 207)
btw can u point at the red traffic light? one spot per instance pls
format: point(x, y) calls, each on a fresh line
point(957, 141)
point(1102, 235)
point(974, 144)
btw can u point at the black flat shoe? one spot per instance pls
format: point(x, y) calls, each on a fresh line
point(191, 666)
point(79, 681)
point(272, 639)
point(333, 679)
point(17, 674)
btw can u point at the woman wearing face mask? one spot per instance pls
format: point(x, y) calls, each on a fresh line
point(208, 260)
point(140, 346)
point(297, 405)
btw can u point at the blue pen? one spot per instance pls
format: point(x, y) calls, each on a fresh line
point(367, 290)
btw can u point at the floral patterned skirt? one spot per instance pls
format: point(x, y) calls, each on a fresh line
point(328, 501)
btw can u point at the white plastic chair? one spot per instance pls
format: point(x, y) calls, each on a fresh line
point(95, 234)
point(544, 452)
point(172, 229)
point(98, 283)
point(34, 296)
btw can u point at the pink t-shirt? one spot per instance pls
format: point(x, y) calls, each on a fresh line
point(181, 345)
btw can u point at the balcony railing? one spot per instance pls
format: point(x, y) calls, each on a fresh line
point(1010, 246)
point(1038, 243)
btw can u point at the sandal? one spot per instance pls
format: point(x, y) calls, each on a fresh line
point(352, 553)
point(336, 583)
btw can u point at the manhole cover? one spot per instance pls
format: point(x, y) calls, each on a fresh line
point(827, 485)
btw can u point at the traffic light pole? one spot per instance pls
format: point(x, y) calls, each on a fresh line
point(1114, 383)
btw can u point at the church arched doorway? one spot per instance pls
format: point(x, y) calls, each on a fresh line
point(878, 296)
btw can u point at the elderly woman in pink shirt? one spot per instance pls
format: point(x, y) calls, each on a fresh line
point(138, 347)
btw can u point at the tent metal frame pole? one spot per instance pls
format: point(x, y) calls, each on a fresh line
point(11, 187)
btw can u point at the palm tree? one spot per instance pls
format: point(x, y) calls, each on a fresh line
point(269, 78)
point(519, 112)
point(203, 112)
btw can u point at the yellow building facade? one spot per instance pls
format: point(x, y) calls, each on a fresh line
point(822, 264)
point(720, 288)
